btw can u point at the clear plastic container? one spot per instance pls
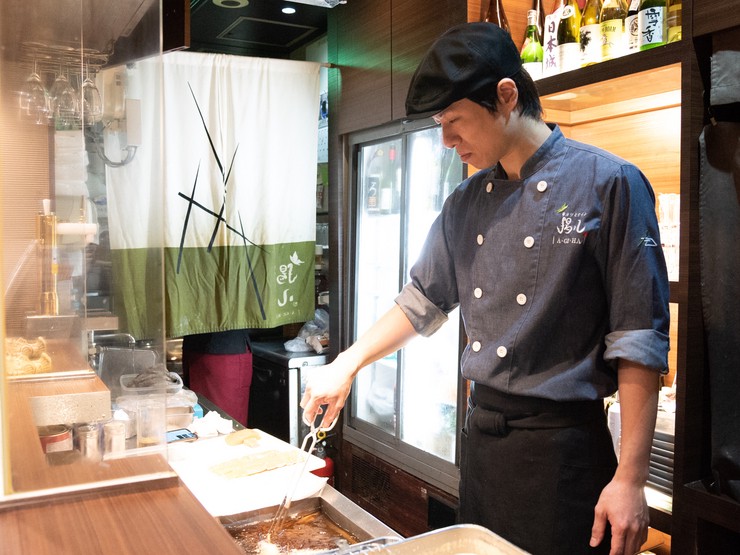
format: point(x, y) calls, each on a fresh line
point(128, 388)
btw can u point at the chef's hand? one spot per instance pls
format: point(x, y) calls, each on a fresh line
point(329, 386)
point(622, 505)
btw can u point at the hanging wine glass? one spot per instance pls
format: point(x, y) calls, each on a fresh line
point(34, 98)
point(92, 104)
point(59, 84)
point(63, 102)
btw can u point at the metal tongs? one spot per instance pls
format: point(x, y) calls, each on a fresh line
point(315, 435)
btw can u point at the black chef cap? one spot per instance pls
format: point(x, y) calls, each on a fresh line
point(462, 63)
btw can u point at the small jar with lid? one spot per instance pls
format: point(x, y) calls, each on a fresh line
point(88, 440)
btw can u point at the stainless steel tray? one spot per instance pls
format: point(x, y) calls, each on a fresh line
point(340, 509)
point(462, 539)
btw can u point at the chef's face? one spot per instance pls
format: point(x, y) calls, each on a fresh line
point(477, 134)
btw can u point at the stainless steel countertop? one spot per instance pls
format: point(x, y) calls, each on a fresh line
point(274, 351)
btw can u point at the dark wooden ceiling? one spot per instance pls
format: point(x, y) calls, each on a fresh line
point(257, 29)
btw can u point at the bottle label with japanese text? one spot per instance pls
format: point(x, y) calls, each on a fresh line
point(651, 24)
point(550, 65)
point(632, 27)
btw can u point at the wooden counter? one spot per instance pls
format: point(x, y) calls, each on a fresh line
point(29, 468)
point(163, 521)
point(134, 505)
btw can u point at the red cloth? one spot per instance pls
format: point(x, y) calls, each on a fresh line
point(224, 380)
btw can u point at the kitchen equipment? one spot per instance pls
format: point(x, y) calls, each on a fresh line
point(461, 539)
point(151, 423)
point(338, 508)
point(172, 386)
point(88, 437)
point(179, 417)
point(315, 435)
point(278, 381)
point(406, 404)
point(115, 362)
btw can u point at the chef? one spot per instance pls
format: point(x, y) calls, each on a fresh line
point(552, 253)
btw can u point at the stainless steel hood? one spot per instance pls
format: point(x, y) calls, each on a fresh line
point(322, 3)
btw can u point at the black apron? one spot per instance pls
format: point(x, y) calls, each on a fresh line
point(532, 470)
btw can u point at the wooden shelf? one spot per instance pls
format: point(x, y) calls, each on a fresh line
point(633, 93)
point(719, 509)
point(605, 73)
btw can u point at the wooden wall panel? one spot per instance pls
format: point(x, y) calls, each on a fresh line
point(362, 34)
point(412, 36)
point(711, 16)
point(516, 14)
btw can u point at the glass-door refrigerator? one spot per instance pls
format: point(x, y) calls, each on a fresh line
point(405, 406)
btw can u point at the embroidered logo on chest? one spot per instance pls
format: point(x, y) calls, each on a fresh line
point(571, 229)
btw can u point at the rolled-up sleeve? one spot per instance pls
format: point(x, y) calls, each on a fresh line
point(431, 292)
point(648, 347)
point(636, 277)
point(423, 314)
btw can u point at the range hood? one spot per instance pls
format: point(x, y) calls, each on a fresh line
point(321, 3)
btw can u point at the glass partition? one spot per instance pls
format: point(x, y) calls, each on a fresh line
point(70, 128)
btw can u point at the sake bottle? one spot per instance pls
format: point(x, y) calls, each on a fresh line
point(550, 62)
point(590, 33)
point(613, 39)
point(651, 23)
point(631, 27)
point(674, 20)
point(497, 15)
point(569, 48)
point(531, 52)
point(373, 180)
point(537, 6)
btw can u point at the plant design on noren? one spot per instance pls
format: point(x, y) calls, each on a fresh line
point(218, 216)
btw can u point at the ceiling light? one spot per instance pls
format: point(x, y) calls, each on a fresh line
point(231, 3)
point(288, 11)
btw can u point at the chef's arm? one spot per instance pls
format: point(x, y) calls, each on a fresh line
point(331, 385)
point(638, 405)
point(623, 502)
